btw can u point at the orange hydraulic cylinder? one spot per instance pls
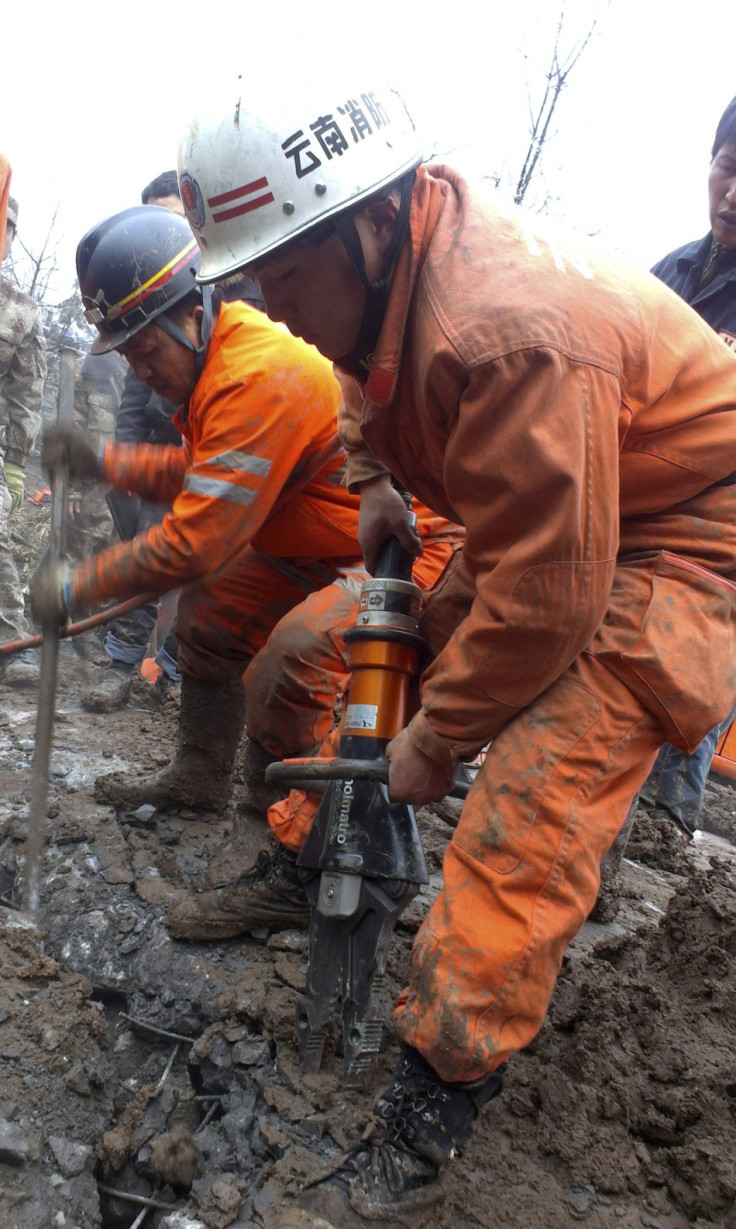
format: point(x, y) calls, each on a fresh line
point(378, 698)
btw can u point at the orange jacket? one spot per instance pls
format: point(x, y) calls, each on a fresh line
point(4, 191)
point(569, 413)
point(259, 432)
point(261, 465)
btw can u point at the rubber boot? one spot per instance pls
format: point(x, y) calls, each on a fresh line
point(391, 1178)
point(260, 796)
point(211, 721)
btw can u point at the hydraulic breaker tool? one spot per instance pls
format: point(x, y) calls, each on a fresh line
point(49, 660)
point(363, 861)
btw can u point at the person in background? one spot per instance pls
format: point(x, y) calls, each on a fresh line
point(5, 177)
point(97, 392)
point(703, 273)
point(22, 374)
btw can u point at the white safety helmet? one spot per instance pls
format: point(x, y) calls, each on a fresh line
point(267, 167)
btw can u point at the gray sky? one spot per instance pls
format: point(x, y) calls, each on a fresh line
point(95, 97)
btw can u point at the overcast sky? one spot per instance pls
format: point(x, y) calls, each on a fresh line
point(95, 97)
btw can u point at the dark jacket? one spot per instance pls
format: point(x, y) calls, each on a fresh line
point(144, 417)
point(716, 303)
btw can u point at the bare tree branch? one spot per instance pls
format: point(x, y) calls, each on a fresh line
point(42, 265)
point(540, 119)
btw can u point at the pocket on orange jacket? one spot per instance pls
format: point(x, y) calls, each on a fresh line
point(670, 636)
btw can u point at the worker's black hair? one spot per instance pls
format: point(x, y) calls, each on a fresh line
point(726, 130)
point(165, 184)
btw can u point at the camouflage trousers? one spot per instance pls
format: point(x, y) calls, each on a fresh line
point(90, 528)
point(13, 623)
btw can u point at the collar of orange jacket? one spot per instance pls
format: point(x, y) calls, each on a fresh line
point(427, 200)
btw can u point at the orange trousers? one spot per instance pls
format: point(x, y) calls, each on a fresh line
point(522, 871)
point(280, 624)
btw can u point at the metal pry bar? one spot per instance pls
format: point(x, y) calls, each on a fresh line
point(49, 660)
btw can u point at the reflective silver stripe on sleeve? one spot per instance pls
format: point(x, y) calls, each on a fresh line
point(246, 462)
point(216, 488)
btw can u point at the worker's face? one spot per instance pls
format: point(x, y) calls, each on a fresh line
point(316, 292)
point(8, 239)
point(162, 363)
point(722, 194)
point(172, 203)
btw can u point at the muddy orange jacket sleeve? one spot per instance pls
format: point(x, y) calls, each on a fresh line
point(153, 471)
point(541, 540)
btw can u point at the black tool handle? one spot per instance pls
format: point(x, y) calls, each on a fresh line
point(394, 562)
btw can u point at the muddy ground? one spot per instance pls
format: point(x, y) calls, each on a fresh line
point(151, 1082)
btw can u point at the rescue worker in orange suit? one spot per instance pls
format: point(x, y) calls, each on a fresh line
point(261, 520)
point(5, 175)
point(579, 420)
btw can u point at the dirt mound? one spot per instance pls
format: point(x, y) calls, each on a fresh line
point(633, 1085)
point(657, 841)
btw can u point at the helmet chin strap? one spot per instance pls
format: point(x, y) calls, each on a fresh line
point(378, 291)
point(173, 330)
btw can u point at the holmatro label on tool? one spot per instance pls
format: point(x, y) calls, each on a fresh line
point(361, 716)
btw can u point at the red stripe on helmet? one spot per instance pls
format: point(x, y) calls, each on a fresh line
point(258, 203)
point(234, 193)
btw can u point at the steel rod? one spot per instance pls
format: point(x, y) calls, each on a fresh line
point(49, 661)
point(169, 1065)
point(160, 1032)
point(82, 625)
point(140, 1199)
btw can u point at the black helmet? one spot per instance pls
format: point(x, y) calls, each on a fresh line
point(132, 268)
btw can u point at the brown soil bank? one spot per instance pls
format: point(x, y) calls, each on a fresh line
point(634, 1083)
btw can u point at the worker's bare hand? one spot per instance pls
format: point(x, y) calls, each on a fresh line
point(384, 514)
point(413, 777)
point(70, 447)
point(49, 590)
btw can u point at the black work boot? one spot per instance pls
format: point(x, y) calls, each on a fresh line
point(391, 1177)
point(687, 827)
point(112, 692)
point(22, 670)
point(211, 721)
point(271, 894)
